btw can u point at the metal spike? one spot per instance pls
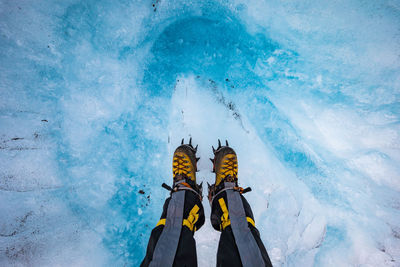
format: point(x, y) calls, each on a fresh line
point(183, 140)
point(226, 141)
point(213, 149)
point(201, 190)
point(219, 144)
point(212, 160)
point(195, 149)
point(197, 159)
point(190, 141)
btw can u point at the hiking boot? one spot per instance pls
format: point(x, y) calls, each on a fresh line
point(184, 167)
point(225, 167)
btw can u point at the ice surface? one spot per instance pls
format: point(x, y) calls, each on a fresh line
point(96, 95)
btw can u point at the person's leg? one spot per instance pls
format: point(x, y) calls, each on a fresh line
point(186, 250)
point(240, 243)
point(171, 241)
point(228, 253)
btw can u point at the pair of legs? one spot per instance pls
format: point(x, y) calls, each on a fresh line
point(171, 241)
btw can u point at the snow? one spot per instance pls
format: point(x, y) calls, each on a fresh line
point(96, 95)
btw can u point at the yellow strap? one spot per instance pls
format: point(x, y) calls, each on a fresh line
point(161, 222)
point(226, 224)
point(192, 218)
point(225, 221)
point(189, 222)
point(250, 220)
point(225, 214)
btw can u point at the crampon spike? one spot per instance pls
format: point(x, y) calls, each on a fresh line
point(195, 149)
point(213, 149)
point(226, 142)
point(183, 140)
point(190, 141)
point(197, 159)
point(219, 144)
point(201, 190)
point(212, 160)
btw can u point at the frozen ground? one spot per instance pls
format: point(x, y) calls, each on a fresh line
point(96, 95)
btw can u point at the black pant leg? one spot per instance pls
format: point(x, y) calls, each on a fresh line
point(186, 252)
point(228, 253)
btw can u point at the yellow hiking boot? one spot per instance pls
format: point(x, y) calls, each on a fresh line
point(225, 167)
point(184, 167)
point(225, 164)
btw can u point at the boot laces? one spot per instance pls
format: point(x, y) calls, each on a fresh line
point(229, 167)
point(181, 165)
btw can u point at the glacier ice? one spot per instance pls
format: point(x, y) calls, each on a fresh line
point(95, 96)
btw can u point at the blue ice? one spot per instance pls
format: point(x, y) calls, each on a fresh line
point(96, 95)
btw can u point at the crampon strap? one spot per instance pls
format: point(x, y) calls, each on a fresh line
point(230, 186)
point(182, 185)
point(249, 251)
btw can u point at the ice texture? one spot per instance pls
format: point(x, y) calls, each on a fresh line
point(96, 95)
